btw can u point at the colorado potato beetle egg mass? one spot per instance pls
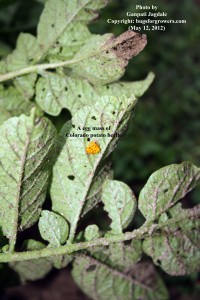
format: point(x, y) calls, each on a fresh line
point(93, 148)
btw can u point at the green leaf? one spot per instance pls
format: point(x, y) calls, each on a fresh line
point(120, 203)
point(26, 85)
point(60, 21)
point(4, 115)
point(61, 261)
point(2, 67)
point(27, 145)
point(69, 43)
point(53, 228)
point(100, 281)
point(12, 103)
point(55, 92)
point(94, 195)
point(167, 186)
point(91, 232)
point(136, 88)
point(27, 52)
point(75, 170)
point(177, 248)
point(118, 255)
point(32, 269)
point(103, 59)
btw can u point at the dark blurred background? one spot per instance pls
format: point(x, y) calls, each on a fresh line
point(166, 125)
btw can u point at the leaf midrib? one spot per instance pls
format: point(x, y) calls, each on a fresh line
point(89, 183)
point(116, 272)
point(12, 241)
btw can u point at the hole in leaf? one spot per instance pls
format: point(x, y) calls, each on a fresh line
point(71, 177)
point(73, 125)
point(79, 95)
point(113, 112)
point(52, 25)
point(66, 89)
point(107, 87)
point(91, 268)
point(166, 190)
point(94, 118)
point(159, 261)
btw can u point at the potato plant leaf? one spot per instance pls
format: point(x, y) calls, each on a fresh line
point(167, 186)
point(75, 170)
point(136, 88)
point(55, 92)
point(27, 52)
point(91, 232)
point(176, 249)
point(94, 195)
point(103, 59)
point(53, 228)
point(69, 43)
point(61, 261)
point(101, 282)
point(12, 103)
point(61, 20)
point(27, 145)
point(33, 269)
point(120, 203)
point(118, 255)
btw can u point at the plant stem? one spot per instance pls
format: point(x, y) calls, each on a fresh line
point(70, 248)
point(35, 69)
point(147, 230)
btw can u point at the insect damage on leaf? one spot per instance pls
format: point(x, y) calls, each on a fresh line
point(128, 45)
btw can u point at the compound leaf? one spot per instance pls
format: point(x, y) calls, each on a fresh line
point(120, 203)
point(167, 186)
point(27, 145)
point(177, 248)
